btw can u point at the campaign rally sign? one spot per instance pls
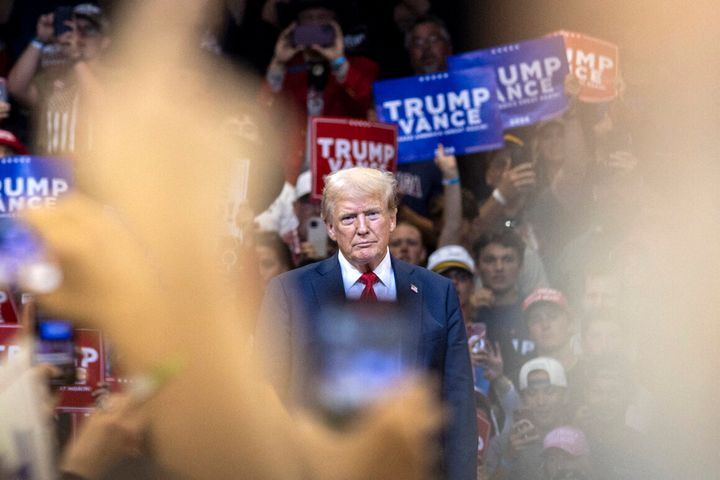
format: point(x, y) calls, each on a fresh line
point(9, 342)
point(594, 62)
point(530, 78)
point(90, 366)
point(8, 309)
point(456, 109)
point(31, 182)
point(90, 371)
point(26, 182)
point(339, 143)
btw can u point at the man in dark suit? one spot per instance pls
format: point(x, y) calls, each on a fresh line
point(359, 209)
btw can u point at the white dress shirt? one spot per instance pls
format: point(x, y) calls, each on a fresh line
point(384, 288)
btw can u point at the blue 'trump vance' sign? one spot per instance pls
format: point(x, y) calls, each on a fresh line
point(530, 78)
point(457, 109)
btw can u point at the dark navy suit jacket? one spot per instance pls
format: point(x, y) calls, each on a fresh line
point(285, 340)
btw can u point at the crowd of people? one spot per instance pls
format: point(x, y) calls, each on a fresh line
point(543, 240)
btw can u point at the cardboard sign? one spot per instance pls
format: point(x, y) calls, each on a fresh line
point(530, 78)
point(456, 109)
point(339, 143)
point(91, 366)
point(594, 62)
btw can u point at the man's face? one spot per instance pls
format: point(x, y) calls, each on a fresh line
point(361, 226)
point(545, 401)
point(499, 267)
point(463, 281)
point(558, 464)
point(499, 162)
point(601, 291)
point(6, 151)
point(551, 144)
point(603, 338)
point(406, 244)
point(550, 327)
point(607, 400)
point(91, 42)
point(428, 49)
point(315, 16)
point(269, 265)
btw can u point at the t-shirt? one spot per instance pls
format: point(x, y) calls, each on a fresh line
point(419, 182)
point(506, 325)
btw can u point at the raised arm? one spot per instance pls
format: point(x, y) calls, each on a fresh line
point(21, 76)
point(451, 233)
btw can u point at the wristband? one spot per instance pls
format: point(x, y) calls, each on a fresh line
point(451, 181)
point(338, 62)
point(499, 197)
point(37, 43)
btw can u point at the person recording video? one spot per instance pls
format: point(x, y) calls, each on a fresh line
point(57, 74)
point(311, 73)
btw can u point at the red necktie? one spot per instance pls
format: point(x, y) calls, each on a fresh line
point(368, 293)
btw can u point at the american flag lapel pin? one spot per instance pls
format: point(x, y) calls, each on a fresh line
point(413, 288)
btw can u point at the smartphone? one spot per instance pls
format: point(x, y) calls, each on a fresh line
point(317, 236)
point(3, 90)
point(61, 16)
point(476, 333)
point(523, 426)
point(306, 35)
point(55, 344)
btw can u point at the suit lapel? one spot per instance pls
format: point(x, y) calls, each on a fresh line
point(409, 291)
point(328, 286)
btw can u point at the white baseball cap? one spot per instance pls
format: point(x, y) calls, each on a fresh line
point(451, 256)
point(552, 367)
point(303, 185)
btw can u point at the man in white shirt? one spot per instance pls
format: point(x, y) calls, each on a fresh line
point(359, 209)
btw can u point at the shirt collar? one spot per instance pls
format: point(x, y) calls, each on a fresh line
point(383, 270)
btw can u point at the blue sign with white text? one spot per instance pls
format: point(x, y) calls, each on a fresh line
point(31, 182)
point(530, 78)
point(457, 109)
point(26, 182)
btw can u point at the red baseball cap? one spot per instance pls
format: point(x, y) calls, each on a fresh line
point(10, 140)
point(549, 295)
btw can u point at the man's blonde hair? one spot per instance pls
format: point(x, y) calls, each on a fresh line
point(356, 181)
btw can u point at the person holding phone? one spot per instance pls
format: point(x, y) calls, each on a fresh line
point(75, 39)
point(516, 453)
point(312, 74)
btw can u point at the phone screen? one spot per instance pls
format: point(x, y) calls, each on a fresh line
point(61, 15)
point(54, 344)
point(317, 236)
point(306, 35)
